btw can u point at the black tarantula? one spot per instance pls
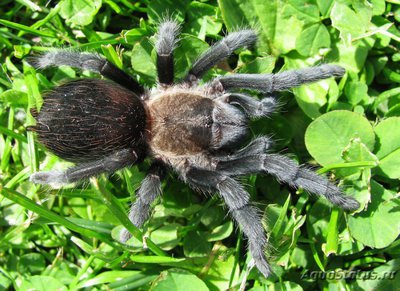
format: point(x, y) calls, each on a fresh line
point(196, 130)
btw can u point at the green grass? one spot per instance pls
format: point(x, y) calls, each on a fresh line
point(67, 238)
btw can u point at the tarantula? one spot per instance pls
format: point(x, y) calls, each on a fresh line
point(196, 130)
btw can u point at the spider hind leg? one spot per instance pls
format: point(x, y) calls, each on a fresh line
point(237, 200)
point(286, 171)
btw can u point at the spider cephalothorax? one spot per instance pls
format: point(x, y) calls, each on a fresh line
point(103, 126)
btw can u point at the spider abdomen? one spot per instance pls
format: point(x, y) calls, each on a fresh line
point(88, 119)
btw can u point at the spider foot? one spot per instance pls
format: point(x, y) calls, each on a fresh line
point(334, 195)
point(268, 105)
point(259, 259)
point(49, 178)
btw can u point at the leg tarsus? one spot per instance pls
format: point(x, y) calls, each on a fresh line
point(54, 178)
point(250, 221)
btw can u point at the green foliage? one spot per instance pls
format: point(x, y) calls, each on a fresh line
point(178, 279)
point(59, 239)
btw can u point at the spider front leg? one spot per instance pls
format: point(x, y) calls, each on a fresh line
point(111, 163)
point(220, 51)
point(149, 190)
point(165, 44)
point(267, 83)
point(87, 61)
point(237, 200)
point(286, 171)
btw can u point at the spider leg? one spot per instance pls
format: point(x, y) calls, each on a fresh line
point(220, 51)
point(237, 200)
point(149, 190)
point(268, 83)
point(289, 172)
point(252, 107)
point(111, 163)
point(165, 44)
point(87, 61)
point(255, 147)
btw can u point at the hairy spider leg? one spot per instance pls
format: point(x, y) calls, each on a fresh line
point(254, 159)
point(115, 161)
point(87, 61)
point(280, 166)
point(220, 51)
point(165, 44)
point(150, 190)
point(237, 200)
point(258, 145)
point(267, 83)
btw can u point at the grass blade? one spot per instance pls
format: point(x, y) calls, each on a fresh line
point(51, 216)
point(25, 28)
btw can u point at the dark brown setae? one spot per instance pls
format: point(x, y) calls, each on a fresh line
point(88, 119)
